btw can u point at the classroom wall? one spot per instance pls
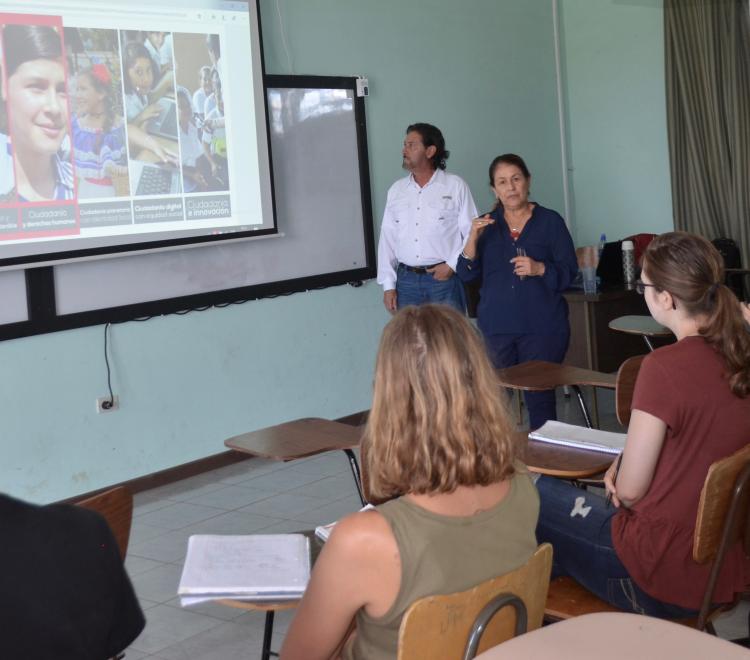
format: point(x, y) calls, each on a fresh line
point(613, 74)
point(483, 71)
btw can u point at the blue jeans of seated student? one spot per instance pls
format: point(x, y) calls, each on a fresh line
point(583, 549)
point(507, 350)
point(420, 288)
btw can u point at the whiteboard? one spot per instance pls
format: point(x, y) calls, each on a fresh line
point(324, 214)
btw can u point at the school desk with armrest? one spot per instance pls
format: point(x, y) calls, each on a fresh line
point(302, 438)
point(644, 326)
point(615, 636)
point(722, 521)
point(537, 375)
point(271, 607)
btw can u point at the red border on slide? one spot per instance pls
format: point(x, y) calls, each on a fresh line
point(56, 22)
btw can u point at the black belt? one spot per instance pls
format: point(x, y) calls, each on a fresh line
point(419, 270)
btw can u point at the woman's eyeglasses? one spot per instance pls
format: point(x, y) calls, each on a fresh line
point(640, 286)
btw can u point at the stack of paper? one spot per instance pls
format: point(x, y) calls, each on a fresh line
point(255, 567)
point(580, 436)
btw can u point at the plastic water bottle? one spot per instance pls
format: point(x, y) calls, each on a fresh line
point(628, 264)
point(602, 241)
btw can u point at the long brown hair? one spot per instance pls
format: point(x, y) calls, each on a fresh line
point(438, 418)
point(692, 270)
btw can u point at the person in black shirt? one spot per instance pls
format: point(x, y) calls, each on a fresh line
point(64, 592)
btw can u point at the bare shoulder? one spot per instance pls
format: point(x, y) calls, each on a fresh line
point(364, 535)
point(363, 545)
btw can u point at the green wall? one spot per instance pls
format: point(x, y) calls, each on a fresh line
point(613, 73)
point(483, 71)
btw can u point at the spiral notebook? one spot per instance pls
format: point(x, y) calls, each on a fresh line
point(251, 567)
point(579, 436)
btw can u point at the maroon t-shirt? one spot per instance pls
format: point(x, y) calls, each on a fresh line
point(683, 385)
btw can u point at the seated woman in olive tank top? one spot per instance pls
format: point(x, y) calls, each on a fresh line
point(439, 441)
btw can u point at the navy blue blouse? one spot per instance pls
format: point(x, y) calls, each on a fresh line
point(509, 304)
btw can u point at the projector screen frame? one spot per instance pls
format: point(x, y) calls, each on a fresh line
point(40, 281)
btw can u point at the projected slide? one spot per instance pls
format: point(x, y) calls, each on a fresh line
point(119, 125)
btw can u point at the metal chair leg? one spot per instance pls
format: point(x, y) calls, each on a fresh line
point(356, 474)
point(582, 403)
point(597, 423)
point(266, 653)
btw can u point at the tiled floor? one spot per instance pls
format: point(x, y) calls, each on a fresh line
point(251, 496)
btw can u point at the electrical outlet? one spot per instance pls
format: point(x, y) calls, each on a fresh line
point(102, 400)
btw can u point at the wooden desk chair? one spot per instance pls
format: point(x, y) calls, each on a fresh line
point(723, 519)
point(627, 374)
point(451, 626)
point(271, 607)
point(116, 505)
point(644, 325)
point(541, 375)
point(302, 438)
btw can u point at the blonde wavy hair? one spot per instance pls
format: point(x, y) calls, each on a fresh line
point(438, 418)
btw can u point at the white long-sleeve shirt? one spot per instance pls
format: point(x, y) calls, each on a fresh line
point(424, 226)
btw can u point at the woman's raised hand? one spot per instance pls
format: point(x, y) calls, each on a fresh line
point(478, 224)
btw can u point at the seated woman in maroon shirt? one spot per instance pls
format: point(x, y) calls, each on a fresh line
point(691, 407)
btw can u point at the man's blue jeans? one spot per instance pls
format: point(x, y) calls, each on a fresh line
point(418, 289)
point(583, 549)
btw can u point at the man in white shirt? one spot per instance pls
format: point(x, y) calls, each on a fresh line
point(427, 217)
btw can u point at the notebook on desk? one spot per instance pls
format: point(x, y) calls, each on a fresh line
point(252, 567)
point(580, 437)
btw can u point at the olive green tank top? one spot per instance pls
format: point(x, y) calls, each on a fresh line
point(444, 554)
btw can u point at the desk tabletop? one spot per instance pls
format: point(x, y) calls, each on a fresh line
point(314, 435)
point(560, 460)
point(541, 375)
point(615, 636)
point(297, 439)
point(639, 325)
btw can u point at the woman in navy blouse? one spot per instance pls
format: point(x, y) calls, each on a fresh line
point(524, 256)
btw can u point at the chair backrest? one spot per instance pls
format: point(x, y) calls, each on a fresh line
point(714, 504)
point(116, 505)
point(624, 387)
point(440, 626)
point(723, 517)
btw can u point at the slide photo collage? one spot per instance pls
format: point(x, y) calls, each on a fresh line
point(105, 127)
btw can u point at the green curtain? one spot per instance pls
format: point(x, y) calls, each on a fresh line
point(707, 53)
